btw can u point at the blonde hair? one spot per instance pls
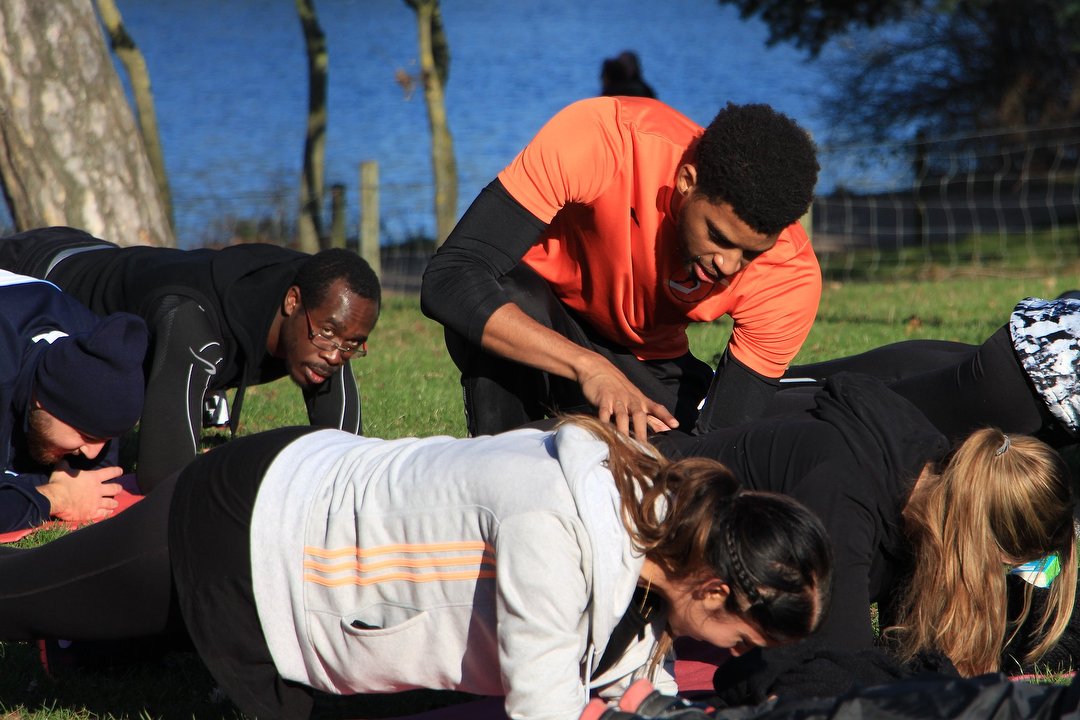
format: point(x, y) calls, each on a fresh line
point(1000, 500)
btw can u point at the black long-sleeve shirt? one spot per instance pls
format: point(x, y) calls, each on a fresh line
point(461, 290)
point(209, 314)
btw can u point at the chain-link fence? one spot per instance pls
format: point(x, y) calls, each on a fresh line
point(1004, 200)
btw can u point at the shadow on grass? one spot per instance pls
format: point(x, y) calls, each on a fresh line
point(140, 681)
point(170, 686)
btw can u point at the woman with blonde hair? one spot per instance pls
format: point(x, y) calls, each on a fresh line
point(539, 566)
point(927, 535)
point(1001, 500)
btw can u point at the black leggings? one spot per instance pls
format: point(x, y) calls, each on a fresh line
point(959, 387)
point(108, 581)
point(186, 352)
point(179, 560)
point(209, 535)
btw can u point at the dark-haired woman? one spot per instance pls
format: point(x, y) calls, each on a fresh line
point(926, 533)
point(536, 565)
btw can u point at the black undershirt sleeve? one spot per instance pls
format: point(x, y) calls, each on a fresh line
point(186, 352)
point(336, 402)
point(736, 395)
point(461, 284)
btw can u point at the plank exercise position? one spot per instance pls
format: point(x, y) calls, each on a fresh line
point(1025, 378)
point(533, 565)
point(924, 528)
point(243, 315)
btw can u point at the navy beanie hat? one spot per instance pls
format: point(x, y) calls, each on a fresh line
point(94, 381)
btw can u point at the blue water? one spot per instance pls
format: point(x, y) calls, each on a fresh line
point(229, 78)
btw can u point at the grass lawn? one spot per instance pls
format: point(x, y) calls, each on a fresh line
point(410, 387)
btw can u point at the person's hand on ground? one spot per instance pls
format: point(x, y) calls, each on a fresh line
point(82, 495)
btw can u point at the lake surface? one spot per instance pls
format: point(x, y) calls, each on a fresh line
point(230, 82)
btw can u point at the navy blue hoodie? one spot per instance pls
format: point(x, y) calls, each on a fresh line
point(35, 313)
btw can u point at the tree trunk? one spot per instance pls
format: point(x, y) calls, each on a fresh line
point(309, 224)
point(70, 152)
point(434, 69)
point(139, 77)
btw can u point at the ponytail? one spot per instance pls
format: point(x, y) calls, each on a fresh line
point(692, 519)
point(1001, 500)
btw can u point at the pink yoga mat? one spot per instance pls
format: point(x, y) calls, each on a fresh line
point(127, 497)
point(693, 672)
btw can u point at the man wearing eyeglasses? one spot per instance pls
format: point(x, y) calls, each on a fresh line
point(219, 319)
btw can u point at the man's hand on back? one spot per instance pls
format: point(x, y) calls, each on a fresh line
point(620, 401)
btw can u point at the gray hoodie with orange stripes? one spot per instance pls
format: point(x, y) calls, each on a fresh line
point(496, 565)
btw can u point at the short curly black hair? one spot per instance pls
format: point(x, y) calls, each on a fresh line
point(760, 162)
point(318, 273)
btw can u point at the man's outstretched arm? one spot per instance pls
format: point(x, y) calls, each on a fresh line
point(461, 290)
point(737, 395)
point(185, 351)
point(512, 334)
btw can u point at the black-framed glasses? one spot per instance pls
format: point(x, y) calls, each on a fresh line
point(324, 342)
